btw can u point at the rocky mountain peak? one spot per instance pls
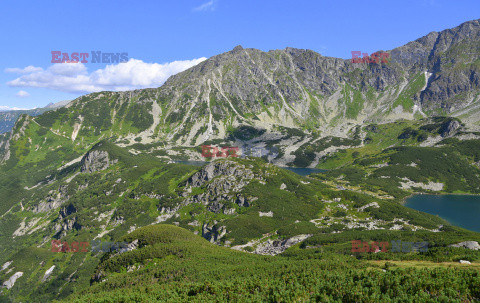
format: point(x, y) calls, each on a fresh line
point(237, 48)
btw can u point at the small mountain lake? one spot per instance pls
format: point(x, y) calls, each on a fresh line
point(459, 210)
point(302, 171)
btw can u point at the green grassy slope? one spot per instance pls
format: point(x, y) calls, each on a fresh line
point(451, 164)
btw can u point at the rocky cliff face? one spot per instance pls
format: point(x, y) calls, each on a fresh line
point(449, 128)
point(53, 200)
point(96, 160)
point(291, 87)
point(4, 147)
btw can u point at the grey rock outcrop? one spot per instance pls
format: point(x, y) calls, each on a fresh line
point(11, 281)
point(6, 265)
point(222, 181)
point(130, 246)
point(213, 233)
point(275, 247)
point(219, 168)
point(449, 128)
point(54, 200)
point(65, 221)
point(96, 160)
point(67, 211)
point(48, 273)
point(4, 147)
point(244, 202)
point(473, 245)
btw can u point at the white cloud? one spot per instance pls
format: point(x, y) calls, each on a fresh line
point(26, 70)
point(74, 77)
point(22, 94)
point(210, 5)
point(6, 108)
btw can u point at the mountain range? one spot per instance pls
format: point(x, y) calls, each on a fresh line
point(102, 167)
point(9, 117)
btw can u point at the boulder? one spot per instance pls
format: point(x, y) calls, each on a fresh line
point(11, 281)
point(467, 244)
point(449, 128)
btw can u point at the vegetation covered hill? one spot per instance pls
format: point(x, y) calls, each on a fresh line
point(245, 204)
point(172, 265)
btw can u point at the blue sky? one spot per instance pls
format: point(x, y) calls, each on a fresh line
point(155, 34)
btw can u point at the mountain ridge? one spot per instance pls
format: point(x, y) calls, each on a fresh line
point(301, 89)
point(9, 117)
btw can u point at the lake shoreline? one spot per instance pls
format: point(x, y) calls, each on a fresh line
point(404, 200)
point(462, 210)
